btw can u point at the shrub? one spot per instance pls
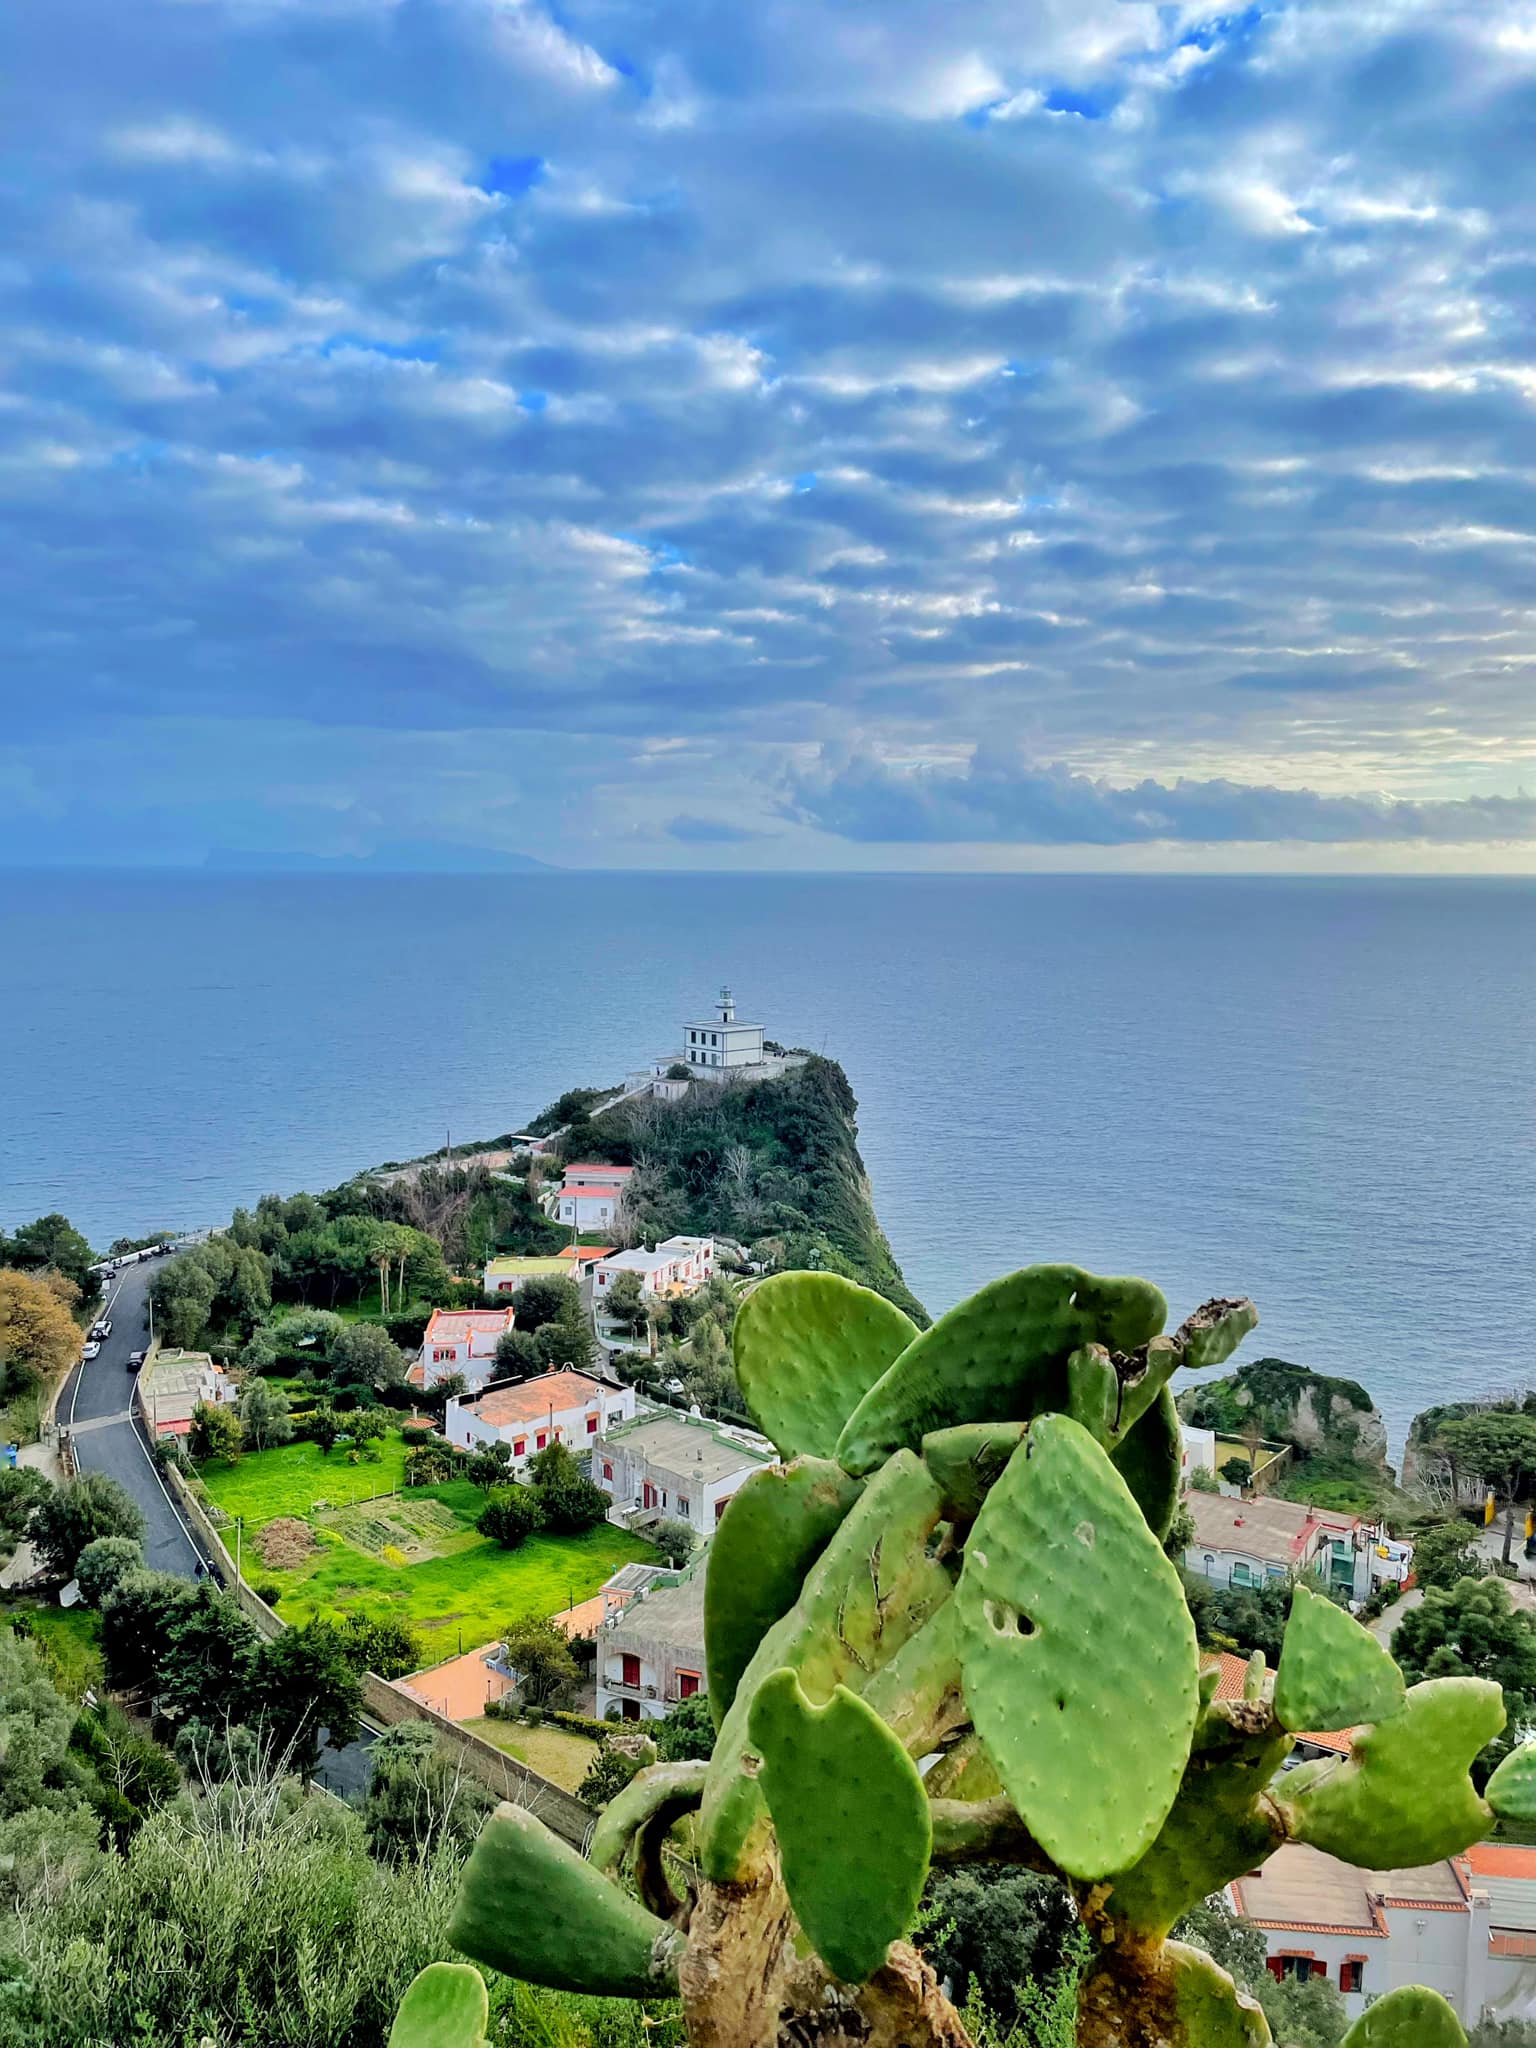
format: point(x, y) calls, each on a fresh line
point(510, 1515)
point(268, 1591)
point(103, 1563)
point(76, 1513)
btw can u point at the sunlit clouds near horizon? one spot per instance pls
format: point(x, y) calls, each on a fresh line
point(814, 433)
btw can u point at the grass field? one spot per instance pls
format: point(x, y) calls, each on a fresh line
point(555, 1753)
point(70, 1636)
point(464, 1595)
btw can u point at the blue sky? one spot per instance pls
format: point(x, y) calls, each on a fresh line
point(818, 433)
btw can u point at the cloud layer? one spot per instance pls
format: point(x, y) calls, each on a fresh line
point(782, 434)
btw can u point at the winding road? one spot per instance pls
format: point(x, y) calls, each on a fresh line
point(94, 1409)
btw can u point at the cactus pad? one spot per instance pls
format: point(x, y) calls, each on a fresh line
point(999, 1357)
point(868, 1594)
point(1211, 2011)
point(445, 2007)
point(1149, 1458)
point(1403, 1796)
point(964, 1772)
point(529, 1905)
point(1511, 1791)
point(1090, 1748)
point(774, 1530)
point(1333, 1673)
point(835, 1776)
point(1211, 1335)
point(1177, 1998)
point(1409, 2017)
point(808, 1347)
point(968, 1461)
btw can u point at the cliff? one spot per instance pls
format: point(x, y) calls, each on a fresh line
point(1321, 1416)
point(772, 1163)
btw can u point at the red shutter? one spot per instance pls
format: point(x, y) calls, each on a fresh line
point(607, 1468)
point(687, 1684)
point(631, 1669)
point(519, 1447)
point(591, 1425)
point(541, 1439)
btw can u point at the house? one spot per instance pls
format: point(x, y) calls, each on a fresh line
point(1231, 1684)
point(677, 1467)
point(1267, 1541)
point(566, 1407)
point(463, 1340)
point(592, 1197)
point(507, 1276)
point(1371, 1930)
point(718, 1048)
point(575, 1259)
point(1199, 1450)
point(679, 1265)
point(1506, 1872)
point(173, 1383)
point(650, 1654)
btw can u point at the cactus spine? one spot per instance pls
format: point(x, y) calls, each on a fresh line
point(961, 1565)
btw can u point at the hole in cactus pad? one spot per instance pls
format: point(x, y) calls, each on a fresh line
point(1008, 1621)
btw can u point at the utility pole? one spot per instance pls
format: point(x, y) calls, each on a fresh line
point(239, 1528)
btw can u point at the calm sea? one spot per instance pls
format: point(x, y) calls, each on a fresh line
point(1319, 1093)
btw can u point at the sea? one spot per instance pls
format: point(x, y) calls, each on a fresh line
point(1321, 1093)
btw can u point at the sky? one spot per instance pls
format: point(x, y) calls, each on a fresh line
point(806, 434)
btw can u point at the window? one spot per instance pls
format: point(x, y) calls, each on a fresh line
point(1241, 1576)
point(519, 1447)
point(687, 1684)
point(721, 1506)
point(1352, 1974)
point(542, 1439)
point(682, 1504)
point(631, 1668)
point(1299, 1967)
point(608, 1469)
point(591, 1425)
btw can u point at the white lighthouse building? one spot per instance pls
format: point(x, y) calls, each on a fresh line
point(719, 1048)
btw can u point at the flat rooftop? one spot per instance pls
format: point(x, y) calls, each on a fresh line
point(1276, 1531)
point(690, 1446)
point(673, 1615)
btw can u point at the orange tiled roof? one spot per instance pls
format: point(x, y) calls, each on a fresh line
point(453, 1325)
point(531, 1401)
point(1500, 1859)
point(584, 1254)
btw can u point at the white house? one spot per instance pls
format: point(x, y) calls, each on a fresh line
point(1264, 1541)
point(1199, 1450)
point(566, 1407)
point(678, 1467)
point(718, 1048)
point(173, 1383)
point(679, 1265)
point(592, 1197)
point(463, 1340)
point(650, 1654)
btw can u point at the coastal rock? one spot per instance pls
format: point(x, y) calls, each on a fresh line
point(1320, 1415)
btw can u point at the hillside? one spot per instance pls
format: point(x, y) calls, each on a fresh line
point(1321, 1416)
point(773, 1163)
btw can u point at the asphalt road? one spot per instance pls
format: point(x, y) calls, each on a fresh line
point(94, 1408)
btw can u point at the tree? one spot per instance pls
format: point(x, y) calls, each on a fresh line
point(76, 1513)
point(215, 1432)
point(1229, 1938)
point(675, 1540)
point(541, 1300)
point(384, 1646)
point(687, 1732)
point(1181, 1533)
point(608, 1773)
point(1473, 1630)
point(487, 1467)
point(209, 1657)
point(570, 1501)
point(303, 1686)
point(53, 1241)
point(625, 1304)
point(183, 1294)
point(1237, 1471)
point(1303, 2014)
point(1446, 1554)
point(418, 1797)
point(1500, 1449)
point(997, 1930)
point(568, 1340)
point(517, 1354)
point(38, 1336)
point(22, 1489)
point(429, 1465)
point(264, 1414)
point(365, 1353)
point(104, 1564)
point(136, 1625)
point(324, 1428)
point(510, 1515)
point(540, 1653)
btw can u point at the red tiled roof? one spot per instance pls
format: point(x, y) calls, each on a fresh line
point(584, 1253)
point(597, 1170)
point(1500, 1859)
point(1232, 1672)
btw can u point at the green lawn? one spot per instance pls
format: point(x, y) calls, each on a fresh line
point(69, 1635)
point(289, 1480)
point(555, 1753)
point(475, 1591)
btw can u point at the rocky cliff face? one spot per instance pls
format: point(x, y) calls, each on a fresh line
point(1321, 1416)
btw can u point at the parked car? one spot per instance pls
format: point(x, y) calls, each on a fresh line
point(136, 1359)
point(102, 1328)
point(92, 1350)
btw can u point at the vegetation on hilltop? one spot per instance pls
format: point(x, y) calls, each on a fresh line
point(774, 1163)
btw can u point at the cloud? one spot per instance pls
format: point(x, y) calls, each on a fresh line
point(1138, 387)
point(999, 801)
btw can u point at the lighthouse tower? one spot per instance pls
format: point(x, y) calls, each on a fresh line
point(722, 1044)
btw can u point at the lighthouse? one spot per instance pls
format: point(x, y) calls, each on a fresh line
point(722, 1044)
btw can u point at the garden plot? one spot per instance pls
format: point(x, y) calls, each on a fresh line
point(399, 1529)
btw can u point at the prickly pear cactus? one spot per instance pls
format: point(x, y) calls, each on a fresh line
point(945, 1631)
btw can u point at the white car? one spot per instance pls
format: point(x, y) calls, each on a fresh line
point(103, 1328)
point(92, 1350)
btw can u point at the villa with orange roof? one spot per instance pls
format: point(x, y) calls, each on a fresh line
point(591, 1197)
point(1268, 1541)
point(573, 1408)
